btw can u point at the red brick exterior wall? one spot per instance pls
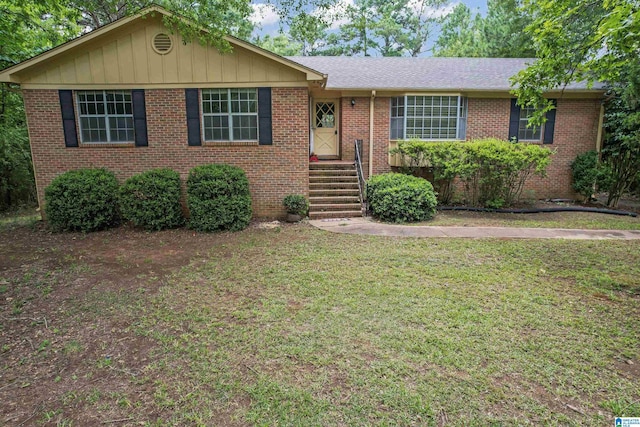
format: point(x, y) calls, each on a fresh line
point(488, 118)
point(575, 132)
point(354, 125)
point(273, 170)
point(381, 133)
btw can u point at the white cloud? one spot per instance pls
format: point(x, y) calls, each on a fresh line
point(425, 11)
point(264, 14)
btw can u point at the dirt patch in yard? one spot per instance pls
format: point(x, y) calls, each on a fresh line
point(67, 341)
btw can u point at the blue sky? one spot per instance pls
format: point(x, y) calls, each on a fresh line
point(267, 19)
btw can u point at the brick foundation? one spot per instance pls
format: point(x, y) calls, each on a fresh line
point(273, 170)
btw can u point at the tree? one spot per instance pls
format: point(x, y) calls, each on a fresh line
point(380, 27)
point(503, 30)
point(310, 31)
point(461, 35)
point(576, 40)
point(280, 44)
point(500, 35)
point(622, 133)
point(583, 40)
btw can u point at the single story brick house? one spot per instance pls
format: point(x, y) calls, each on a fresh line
point(132, 96)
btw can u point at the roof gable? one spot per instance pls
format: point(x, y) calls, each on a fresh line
point(121, 53)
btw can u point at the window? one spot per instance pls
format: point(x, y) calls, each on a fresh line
point(526, 133)
point(428, 117)
point(105, 116)
point(230, 114)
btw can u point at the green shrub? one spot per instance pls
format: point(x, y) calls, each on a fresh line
point(395, 197)
point(82, 200)
point(152, 199)
point(493, 171)
point(296, 204)
point(589, 174)
point(218, 198)
point(445, 160)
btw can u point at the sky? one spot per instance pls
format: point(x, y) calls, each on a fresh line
point(266, 19)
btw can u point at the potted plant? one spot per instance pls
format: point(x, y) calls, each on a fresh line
point(297, 207)
point(313, 158)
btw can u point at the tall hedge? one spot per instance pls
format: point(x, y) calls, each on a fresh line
point(82, 200)
point(218, 198)
point(493, 171)
point(151, 200)
point(395, 197)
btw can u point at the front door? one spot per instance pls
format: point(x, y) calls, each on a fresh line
point(325, 128)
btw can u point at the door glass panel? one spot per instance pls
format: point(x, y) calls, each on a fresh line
point(325, 115)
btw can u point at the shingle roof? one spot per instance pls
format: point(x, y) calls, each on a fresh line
point(419, 73)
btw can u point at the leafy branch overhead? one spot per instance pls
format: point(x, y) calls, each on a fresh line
point(577, 40)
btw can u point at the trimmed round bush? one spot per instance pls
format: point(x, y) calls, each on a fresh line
point(296, 204)
point(395, 197)
point(151, 200)
point(82, 200)
point(218, 198)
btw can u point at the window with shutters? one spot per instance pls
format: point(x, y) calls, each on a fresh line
point(428, 117)
point(105, 116)
point(230, 114)
point(525, 131)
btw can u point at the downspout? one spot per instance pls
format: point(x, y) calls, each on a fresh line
point(371, 111)
point(600, 131)
point(311, 127)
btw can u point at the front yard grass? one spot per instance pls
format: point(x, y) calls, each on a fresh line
point(295, 326)
point(576, 220)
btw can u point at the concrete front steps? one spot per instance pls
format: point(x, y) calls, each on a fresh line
point(333, 190)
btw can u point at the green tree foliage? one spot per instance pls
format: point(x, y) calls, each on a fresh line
point(583, 40)
point(622, 133)
point(498, 35)
point(589, 174)
point(503, 30)
point(281, 44)
point(461, 34)
point(17, 186)
point(26, 29)
point(577, 40)
point(380, 27)
point(310, 31)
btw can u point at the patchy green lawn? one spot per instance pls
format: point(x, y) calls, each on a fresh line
point(586, 220)
point(295, 326)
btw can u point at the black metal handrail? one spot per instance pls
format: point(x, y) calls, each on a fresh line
point(361, 184)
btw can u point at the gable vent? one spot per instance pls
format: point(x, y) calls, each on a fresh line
point(162, 43)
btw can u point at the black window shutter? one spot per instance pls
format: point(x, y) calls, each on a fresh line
point(193, 116)
point(139, 117)
point(514, 120)
point(550, 124)
point(68, 118)
point(264, 116)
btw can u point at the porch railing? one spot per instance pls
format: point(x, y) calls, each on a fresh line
point(361, 184)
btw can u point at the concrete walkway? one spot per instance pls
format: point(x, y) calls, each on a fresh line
point(369, 227)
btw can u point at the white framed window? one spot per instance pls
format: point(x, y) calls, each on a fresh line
point(105, 116)
point(230, 114)
point(432, 117)
point(526, 132)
